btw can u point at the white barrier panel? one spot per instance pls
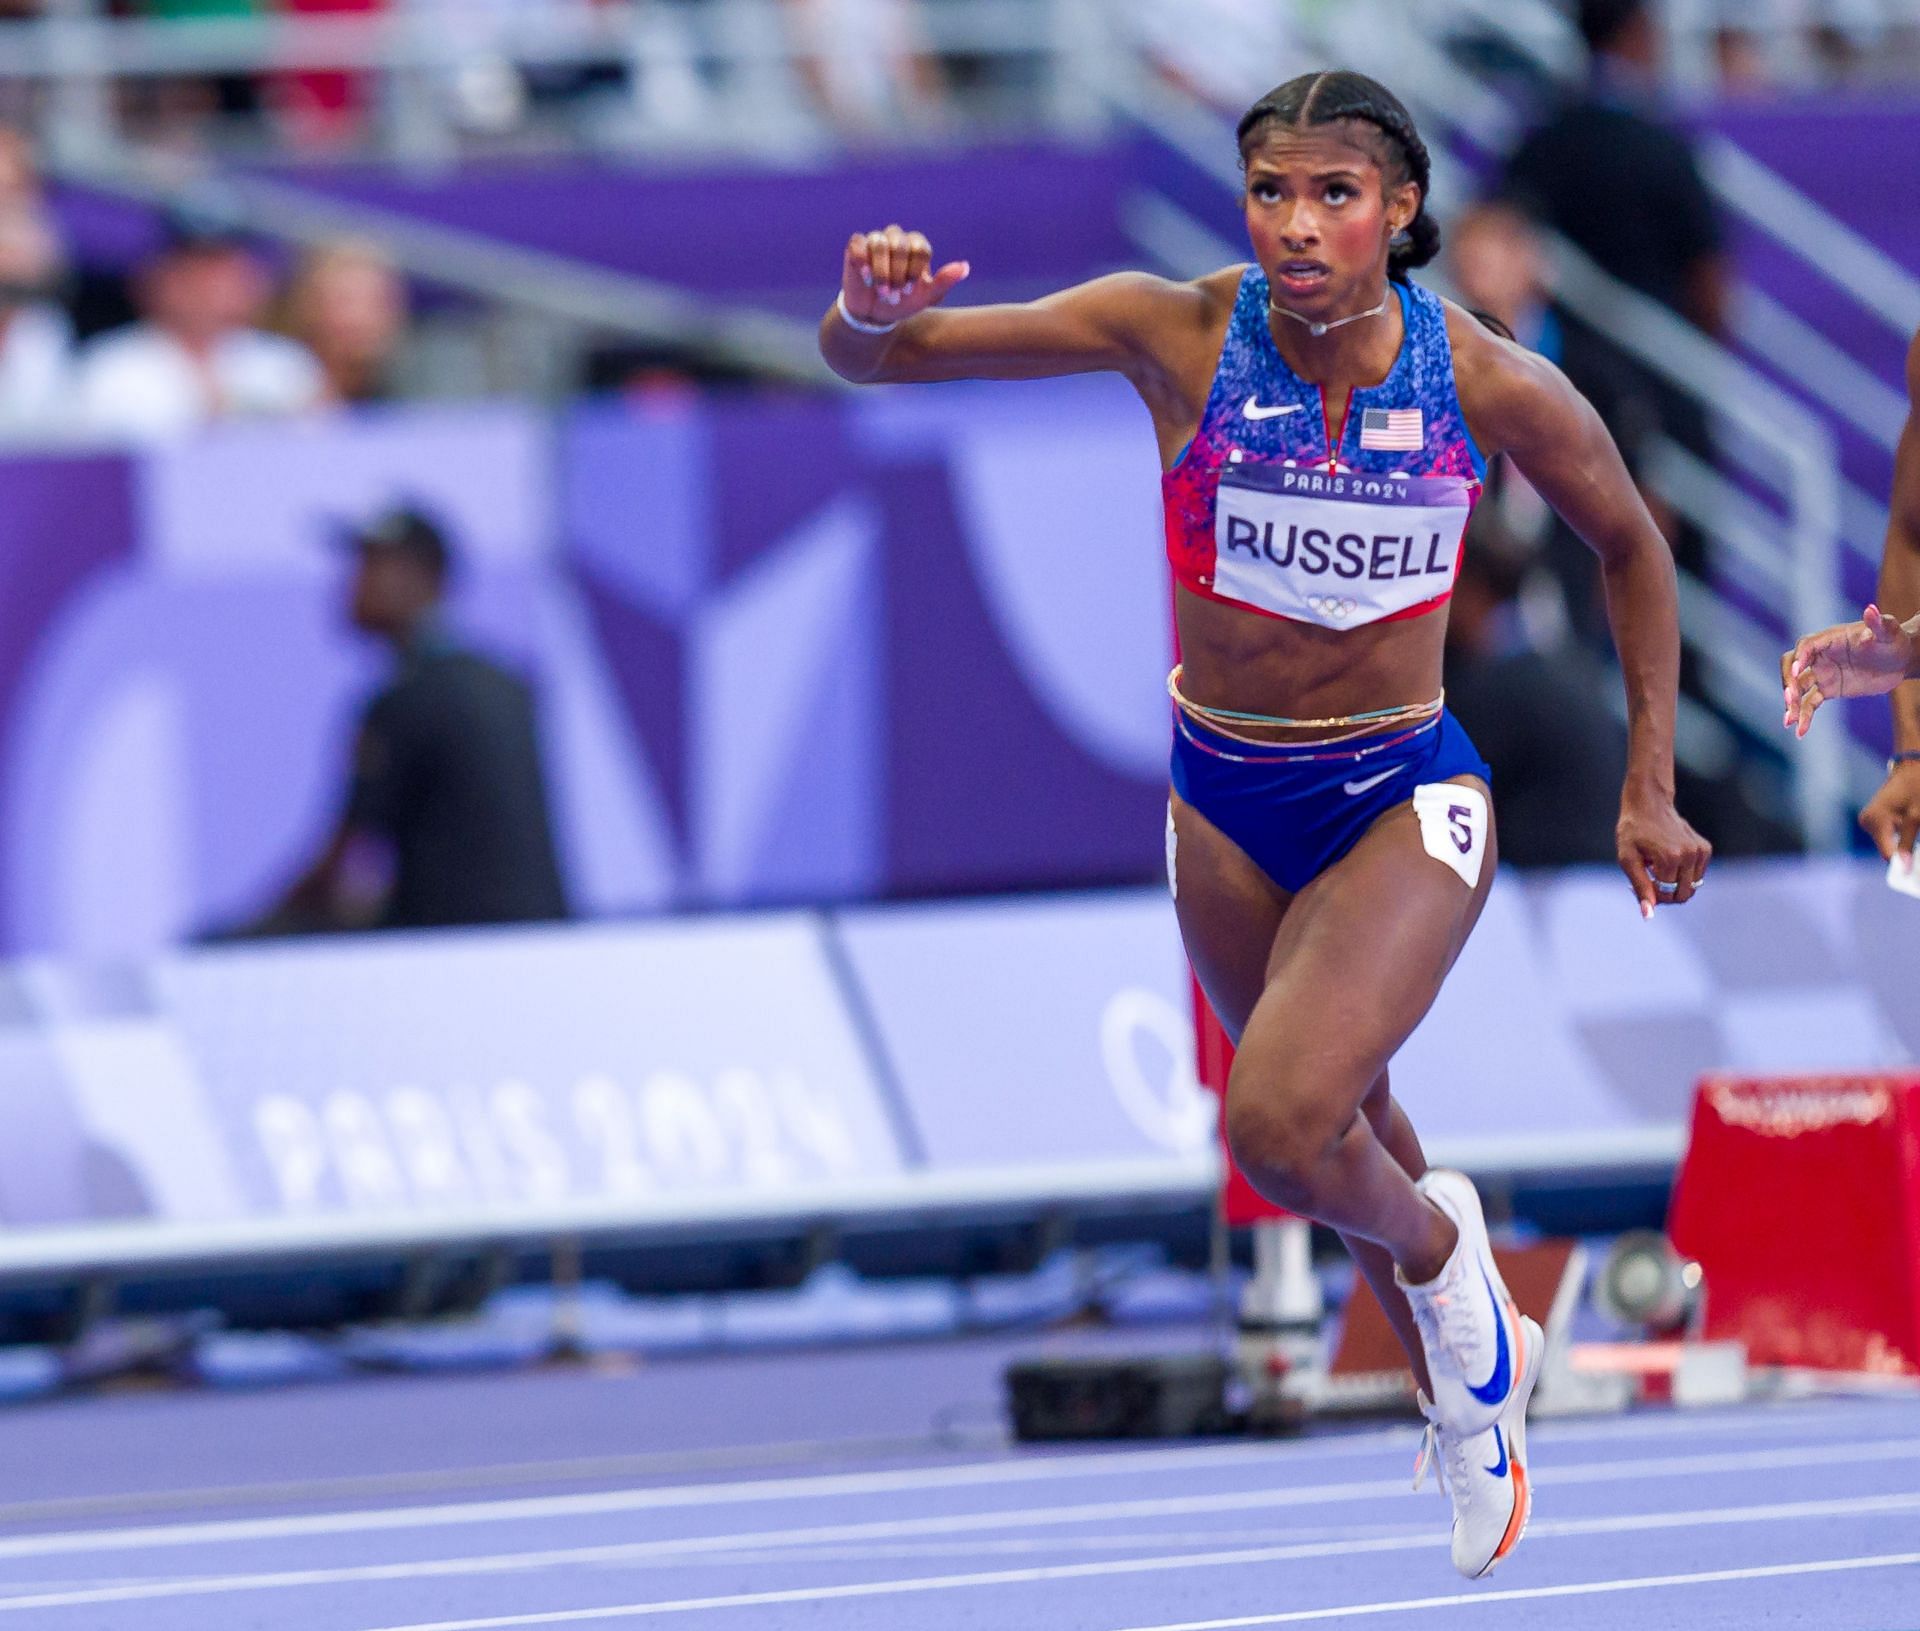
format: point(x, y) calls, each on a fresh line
point(408, 1079)
point(1057, 1029)
point(709, 1072)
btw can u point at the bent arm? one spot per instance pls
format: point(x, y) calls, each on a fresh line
point(1521, 405)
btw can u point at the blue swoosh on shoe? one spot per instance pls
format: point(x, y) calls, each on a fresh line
point(1496, 1386)
point(1499, 1444)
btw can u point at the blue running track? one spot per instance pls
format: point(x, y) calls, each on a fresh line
point(864, 1490)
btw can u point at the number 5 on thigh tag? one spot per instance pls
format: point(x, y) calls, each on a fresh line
point(1453, 826)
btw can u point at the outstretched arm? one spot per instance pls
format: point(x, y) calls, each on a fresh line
point(888, 280)
point(1519, 404)
point(1876, 654)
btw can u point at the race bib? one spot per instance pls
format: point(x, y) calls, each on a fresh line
point(1453, 826)
point(1340, 549)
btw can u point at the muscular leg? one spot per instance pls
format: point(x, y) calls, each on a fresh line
point(1395, 1132)
point(1292, 1082)
point(1356, 964)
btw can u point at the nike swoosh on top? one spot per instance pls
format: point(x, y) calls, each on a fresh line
point(1496, 1386)
point(1252, 409)
point(1499, 1444)
point(1371, 781)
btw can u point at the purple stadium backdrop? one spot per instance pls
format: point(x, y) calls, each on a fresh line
point(788, 649)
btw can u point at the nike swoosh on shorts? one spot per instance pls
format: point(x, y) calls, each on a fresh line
point(1371, 781)
point(1252, 409)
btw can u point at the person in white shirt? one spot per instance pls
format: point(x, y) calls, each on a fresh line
point(199, 355)
point(36, 339)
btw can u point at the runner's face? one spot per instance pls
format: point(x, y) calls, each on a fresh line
point(1320, 214)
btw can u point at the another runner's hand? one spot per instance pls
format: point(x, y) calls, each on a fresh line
point(1656, 847)
point(887, 276)
point(1892, 815)
point(1850, 660)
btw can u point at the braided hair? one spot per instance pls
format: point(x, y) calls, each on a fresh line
point(1336, 94)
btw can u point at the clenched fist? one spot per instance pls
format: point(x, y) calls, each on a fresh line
point(887, 276)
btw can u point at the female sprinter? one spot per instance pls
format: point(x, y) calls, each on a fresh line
point(1323, 428)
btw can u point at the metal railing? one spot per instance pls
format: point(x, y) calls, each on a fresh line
point(726, 74)
point(586, 304)
point(1781, 37)
point(741, 61)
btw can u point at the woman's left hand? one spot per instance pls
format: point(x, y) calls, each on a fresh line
point(1663, 857)
point(1852, 660)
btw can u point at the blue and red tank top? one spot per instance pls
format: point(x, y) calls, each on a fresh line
point(1272, 509)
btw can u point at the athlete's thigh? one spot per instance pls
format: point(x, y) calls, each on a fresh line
point(1360, 956)
point(1229, 912)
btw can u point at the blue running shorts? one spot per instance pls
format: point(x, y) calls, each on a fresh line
point(1297, 810)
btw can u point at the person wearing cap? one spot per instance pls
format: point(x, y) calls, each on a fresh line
point(447, 796)
point(199, 353)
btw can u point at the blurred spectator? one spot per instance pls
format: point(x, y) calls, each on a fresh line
point(867, 63)
point(1229, 53)
point(19, 171)
point(1608, 172)
point(675, 90)
point(1499, 266)
point(36, 337)
point(199, 354)
point(177, 112)
point(447, 774)
point(348, 306)
point(323, 107)
point(1536, 711)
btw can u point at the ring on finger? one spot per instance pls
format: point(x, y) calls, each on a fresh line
point(1664, 887)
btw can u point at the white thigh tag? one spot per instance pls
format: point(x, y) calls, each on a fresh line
point(1173, 850)
point(1453, 826)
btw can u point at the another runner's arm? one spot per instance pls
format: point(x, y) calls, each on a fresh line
point(1892, 816)
point(889, 278)
point(1900, 563)
point(1875, 654)
point(1519, 404)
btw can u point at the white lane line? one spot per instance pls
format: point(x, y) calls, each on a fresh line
point(1473, 1599)
point(1404, 1539)
point(1030, 1469)
point(734, 1458)
point(684, 1547)
point(1079, 1571)
point(813, 1487)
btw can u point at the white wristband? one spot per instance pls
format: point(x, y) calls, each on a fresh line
point(860, 325)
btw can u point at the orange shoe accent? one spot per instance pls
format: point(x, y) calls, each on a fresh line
point(1519, 1338)
point(1518, 1522)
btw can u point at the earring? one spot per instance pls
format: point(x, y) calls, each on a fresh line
point(1401, 239)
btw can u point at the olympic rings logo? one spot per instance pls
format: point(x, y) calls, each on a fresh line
point(1334, 608)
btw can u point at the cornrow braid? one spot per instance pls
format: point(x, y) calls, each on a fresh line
point(1333, 95)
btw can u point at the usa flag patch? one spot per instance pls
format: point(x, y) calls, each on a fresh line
point(1392, 430)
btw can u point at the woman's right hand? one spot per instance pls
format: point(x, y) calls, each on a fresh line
point(887, 276)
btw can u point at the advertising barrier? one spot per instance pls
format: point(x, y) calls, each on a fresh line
point(1020, 1057)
